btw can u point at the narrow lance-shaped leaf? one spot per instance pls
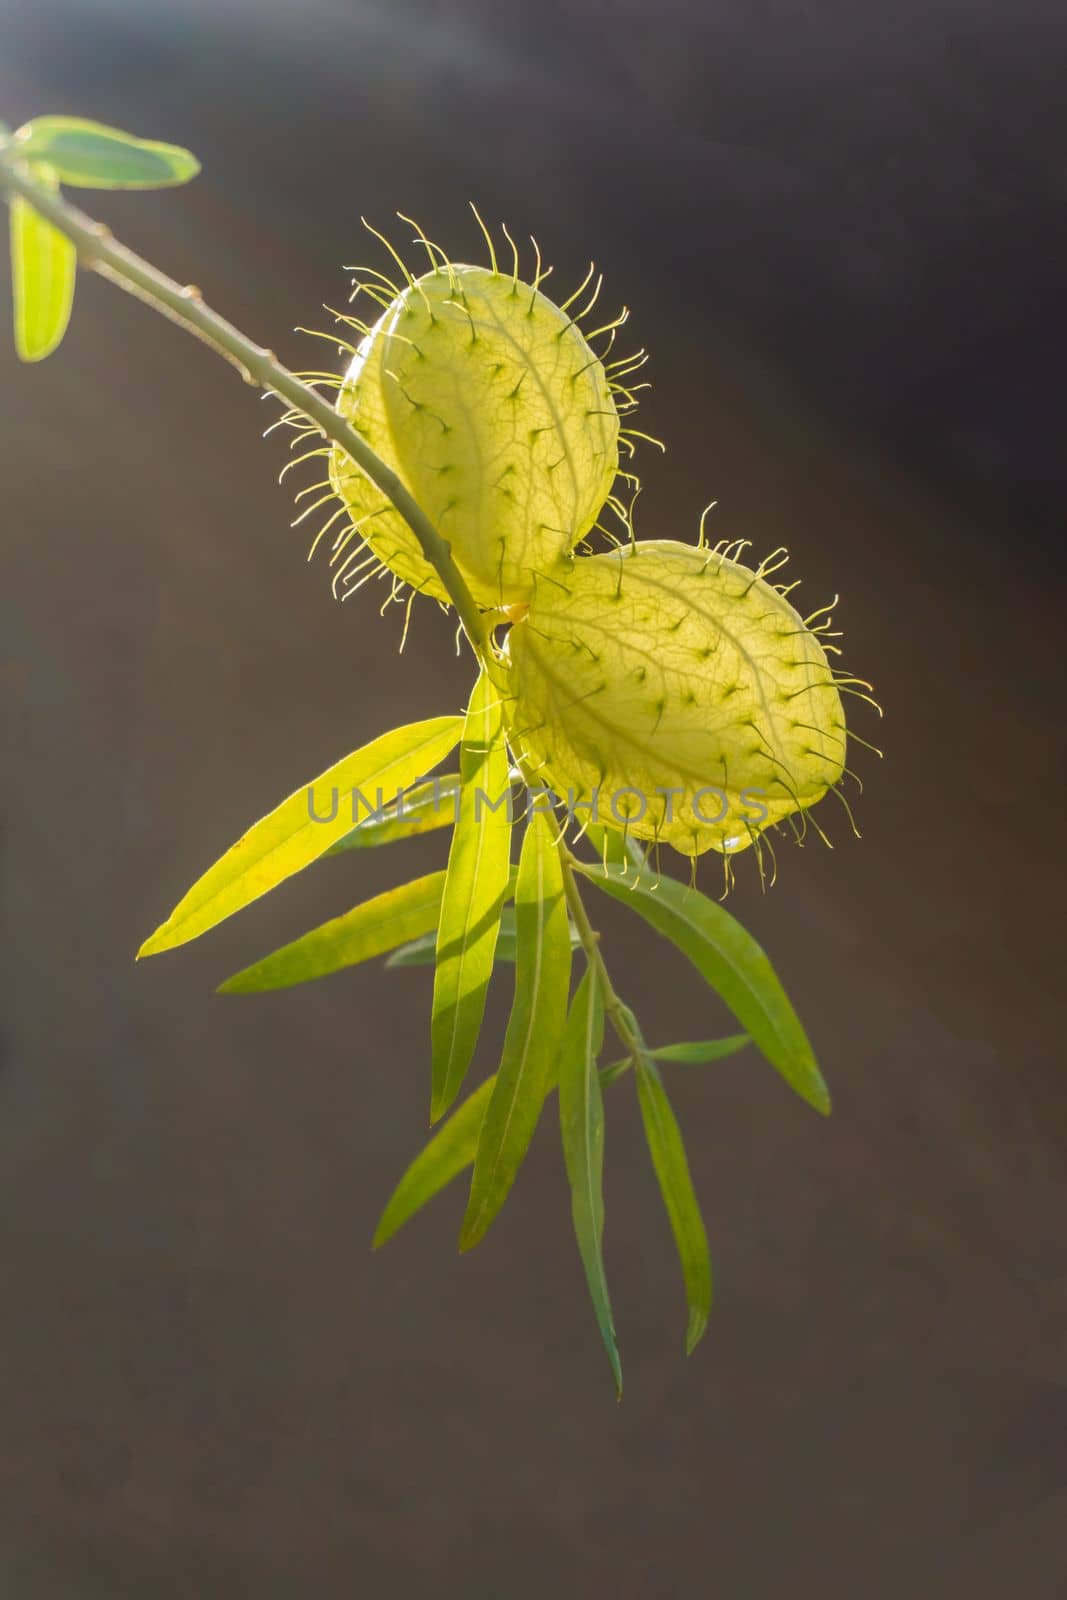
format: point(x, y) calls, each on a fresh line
point(423, 808)
point(581, 1117)
point(672, 1170)
point(88, 155)
point(733, 964)
point(535, 1027)
point(474, 890)
point(367, 930)
point(304, 827)
point(43, 268)
point(448, 1153)
point(702, 1051)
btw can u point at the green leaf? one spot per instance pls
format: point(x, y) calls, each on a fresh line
point(475, 888)
point(423, 952)
point(43, 267)
point(423, 808)
point(296, 832)
point(449, 1151)
point(88, 155)
point(367, 930)
point(704, 1050)
point(535, 1027)
point(731, 961)
point(581, 1118)
point(665, 1145)
point(615, 1070)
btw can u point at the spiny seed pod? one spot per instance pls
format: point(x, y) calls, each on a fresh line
point(487, 401)
point(679, 687)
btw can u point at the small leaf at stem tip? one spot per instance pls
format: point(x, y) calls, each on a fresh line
point(615, 1070)
point(297, 832)
point(367, 930)
point(664, 1138)
point(475, 888)
point(534, 1031)
point(88, 155)
point(581, 1118)
point(695, 1054)
point(44, 264)
point(449, 1151)
point(703, 1050)
point(732, 963)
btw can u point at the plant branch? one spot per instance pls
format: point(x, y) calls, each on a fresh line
point(260, 367)
point(184, 304)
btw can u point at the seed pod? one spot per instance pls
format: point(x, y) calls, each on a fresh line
point(679, 687)
point(487, 401)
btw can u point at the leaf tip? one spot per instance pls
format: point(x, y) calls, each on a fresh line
point(616, 1369)
point(698, 1324)
point(441, 1100)
point(470, 1234)
point(819, 1096)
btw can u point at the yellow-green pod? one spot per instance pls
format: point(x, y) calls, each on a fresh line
point(487, 401)
point(680, 689)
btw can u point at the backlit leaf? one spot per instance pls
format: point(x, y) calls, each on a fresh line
point(449, 1151)
point(672, 1170)
point(535, 1027)
point(43, 268)
point(733, 964)
point(367, 930)
point(475, 886)
point(88, 155)
point(581, 1117)
point(304, 827)
point(423, 808)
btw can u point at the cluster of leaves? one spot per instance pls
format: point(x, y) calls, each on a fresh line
point(44, 261)
point(483, 909)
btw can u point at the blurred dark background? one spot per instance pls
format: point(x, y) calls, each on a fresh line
point(841, 231)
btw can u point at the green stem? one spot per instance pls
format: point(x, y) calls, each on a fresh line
point(260, 367)
point(185, 305)
point(621, 1017)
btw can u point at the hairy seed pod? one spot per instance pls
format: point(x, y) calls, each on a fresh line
point(679, 687)
point(487, 401)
